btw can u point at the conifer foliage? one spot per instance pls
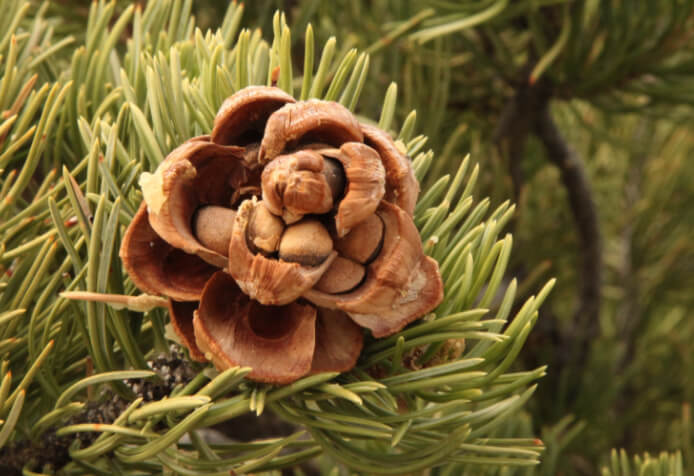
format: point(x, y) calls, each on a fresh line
point(558, 127)
point(93, 387)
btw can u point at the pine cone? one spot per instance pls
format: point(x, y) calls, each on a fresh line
point(280, 235)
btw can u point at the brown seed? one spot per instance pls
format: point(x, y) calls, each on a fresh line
point(364, 242)
point(342, 276)
point(306, 242)
point(264, 230)
point(268, 280)
point(335, 176)
point(401, 285)
point(213, 226)
point(195, 174)
point(290, 218)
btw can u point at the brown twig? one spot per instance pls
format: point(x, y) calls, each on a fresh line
point(516, 123)
point(575, 180)
point(527, 113)
point(514, 126)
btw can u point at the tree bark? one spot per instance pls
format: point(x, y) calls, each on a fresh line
point(575, 180)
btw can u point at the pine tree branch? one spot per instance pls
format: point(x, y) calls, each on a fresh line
point(582, 203)
point(515, 124)
point(510, 138)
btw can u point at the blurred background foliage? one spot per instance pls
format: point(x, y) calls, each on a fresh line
point(581, 112)
point(616, 77)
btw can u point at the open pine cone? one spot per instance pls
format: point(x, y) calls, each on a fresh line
point(280, 235)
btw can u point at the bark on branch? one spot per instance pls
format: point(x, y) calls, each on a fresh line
point(515, 125)
point(585, 215)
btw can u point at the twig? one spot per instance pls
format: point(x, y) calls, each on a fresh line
point(585, 215)
point(141, 303)
point(516, 122)
point(510, 136)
